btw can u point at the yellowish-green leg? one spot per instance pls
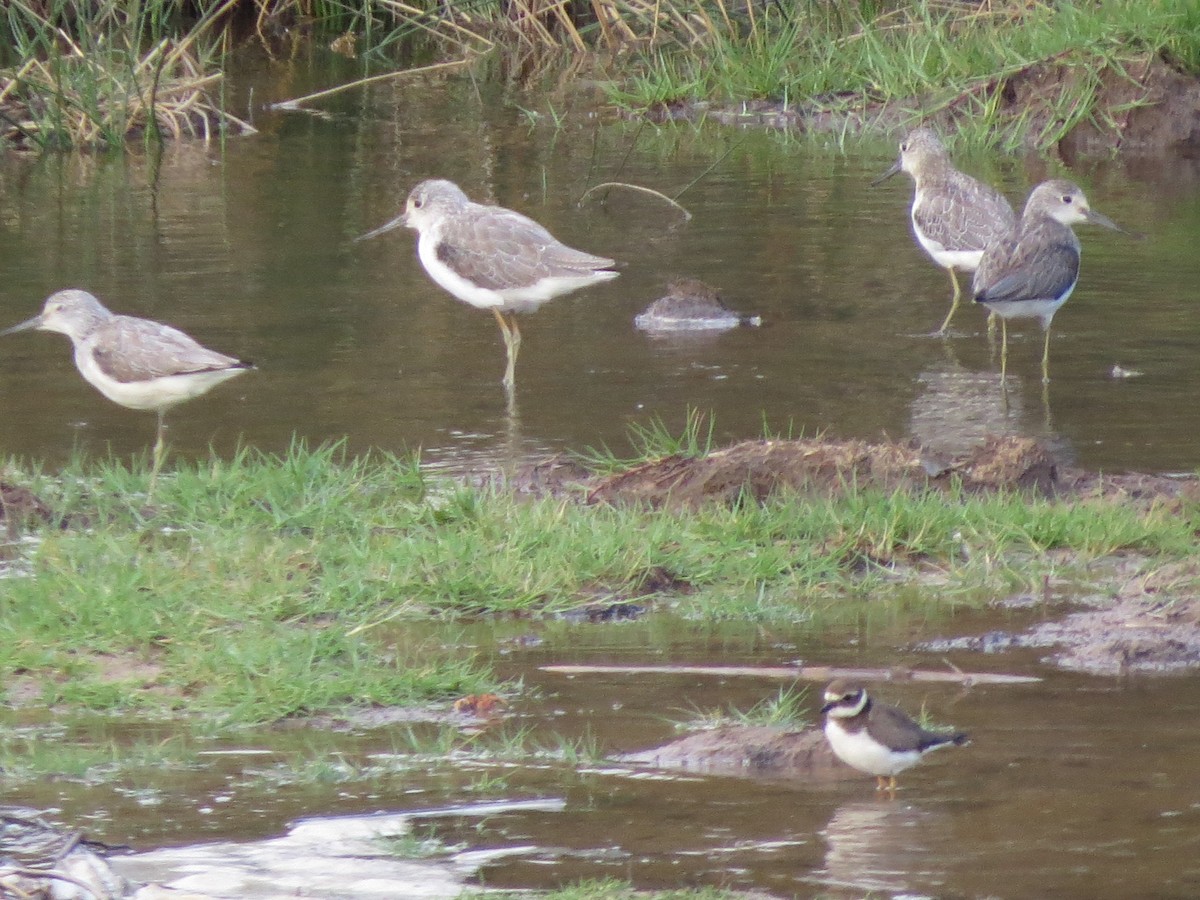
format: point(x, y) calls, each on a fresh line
point(992, 317)
point(160, 450)
point(953, 302)
point(1046, 358)
point(512, 345)
point(1003, 349)
point(880, 783)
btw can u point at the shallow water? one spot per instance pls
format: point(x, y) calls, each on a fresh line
point(248, 247)
point(1074, 787)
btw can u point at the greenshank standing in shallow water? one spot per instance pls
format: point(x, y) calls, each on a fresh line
point(1031, 272)
point(493, 258)
point(137, 363)
point(954, 216)
point(874, 737)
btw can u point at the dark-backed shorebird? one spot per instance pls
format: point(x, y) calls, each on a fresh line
point(493, 258)
point(876, 738)
point(1031, 272)
point(137, 363)
point(954, 216)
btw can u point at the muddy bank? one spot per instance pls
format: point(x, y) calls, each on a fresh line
point(829, 468)
point(1152, 108)
point(1145, 620)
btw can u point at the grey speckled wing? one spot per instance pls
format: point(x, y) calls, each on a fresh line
point(499, 249)
point(1042, 266)
point(964, 214)
point(128, 349)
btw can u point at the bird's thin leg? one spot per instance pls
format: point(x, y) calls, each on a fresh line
point(953, 302)
point(516, 339)
point(1046, 358)
point(892, 786)
point(1003, 349)
point(510, 370)
point(992, 317)
point(880, 783)
point(160, 447)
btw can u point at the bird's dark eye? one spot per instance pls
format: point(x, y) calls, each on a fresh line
point(418, 202)
point(1066, 198)
point(904, 147)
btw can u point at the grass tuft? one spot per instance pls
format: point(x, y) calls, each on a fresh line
point(263, 587)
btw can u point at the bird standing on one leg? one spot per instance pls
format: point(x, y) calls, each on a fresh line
point(137, 363)
point(492, 257)
point(1030, 272)
point(874, 737)
point(954, 216)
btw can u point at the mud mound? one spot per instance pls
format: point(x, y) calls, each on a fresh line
point(1152, 107)
point(749, 750)
point(758, 469)
point(18, 504)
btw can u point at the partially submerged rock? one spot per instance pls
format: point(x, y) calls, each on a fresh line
point(757, 750)
point(691, 305)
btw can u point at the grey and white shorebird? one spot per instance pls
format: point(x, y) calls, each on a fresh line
point(954, 216)
point(492, 257)
point(876, 738)
point(136, 363)
point(1030, 272)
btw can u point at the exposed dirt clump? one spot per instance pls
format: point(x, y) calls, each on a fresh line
point(18, 504)
point(756, 750)
point(758, 469)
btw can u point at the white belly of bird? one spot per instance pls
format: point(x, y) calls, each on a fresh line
point(155, 394)
point(1030, 309)
point(858, 751)
point(963, 260)
point(514, 299)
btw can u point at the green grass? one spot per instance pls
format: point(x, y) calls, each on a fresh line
point(924, 58)
point(103, 73)
point(264, 587)
point(96, 74)
point(788, 708)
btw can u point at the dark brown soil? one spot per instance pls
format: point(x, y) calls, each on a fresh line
point(757, 469)
point(18, 504)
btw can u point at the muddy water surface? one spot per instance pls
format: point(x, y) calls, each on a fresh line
point(1074, 787)
point(248, 246)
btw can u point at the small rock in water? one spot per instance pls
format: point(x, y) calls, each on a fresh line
point(691, 305)
point(1118, 371)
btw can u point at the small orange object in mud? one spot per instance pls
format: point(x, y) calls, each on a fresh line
point(482, 705)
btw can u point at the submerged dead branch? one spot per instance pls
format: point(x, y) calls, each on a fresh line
point(295, 102)
point(802, 673)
